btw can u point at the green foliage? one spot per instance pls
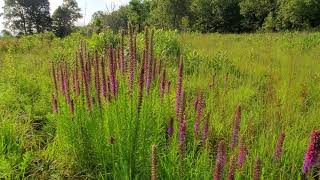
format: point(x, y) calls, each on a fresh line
point(255, 12)
point(115, 20)
point(168, 14)
point(27, 17)
point(216, 16)
point(64, 17)
point(104, 40)
point(138, 12)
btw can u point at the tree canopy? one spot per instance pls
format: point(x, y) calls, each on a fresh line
point(27, 16)
point(65, 16)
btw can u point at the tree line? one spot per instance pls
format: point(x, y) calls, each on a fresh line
point(24, 17)
point(214, 15)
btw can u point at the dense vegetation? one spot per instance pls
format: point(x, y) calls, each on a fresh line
point(126, 110)
point(215, 15)
point(33, 16)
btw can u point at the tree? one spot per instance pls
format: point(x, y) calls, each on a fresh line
point(65, 16)
point(27, 16)
point(254, 13)
point(297, 14)
point(216, 15)
point(115, 20)
point(138, 12)
point(169, 13)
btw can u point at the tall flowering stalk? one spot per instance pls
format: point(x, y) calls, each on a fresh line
point(232, 168)
point(152, 60)
point(155, 64)
point(62, 79)
point(54, 103)
point(112, 72)
point(205, 129)
point(154, 162)
point(236, 127)
point(67, 85)
point(150, 63)
point(179, 99)
point(84, 74)
point(146, 54)
point(88, 69)
point(168, 86)
point(122, 57)
point(54, 78)
point(104, 79)
point(170, 127)
point(159, 68)
point(97, 77)
point(279, 147)
point(76, 85)
point(163, 83)
point(199, 110)
point(108, 89)
point(140, 87)
point(131, 59)
point(257, 169)
point(220, 161)
point(312, 154)
point(182, 127)
point(242, 153)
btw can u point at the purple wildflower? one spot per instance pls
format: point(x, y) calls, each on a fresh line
point(104, 80)
point(242, 153)
point(179, 91)
point(97, 77)
point(236, 127)
point(279, 146)
point(163, 84)
point(199, 110)
point(205, 129)
point(257, 169)
point(131, 59)
point(140, 87)
point(54, 78)
point(122, 58)
point(220, 161)
point(232, 168)
point(63, 80)
point(311, 156)
point(112, 72)
point(170, 127)
point(154, 162)
point(85, 78)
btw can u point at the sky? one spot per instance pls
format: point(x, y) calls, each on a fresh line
point(88, 7)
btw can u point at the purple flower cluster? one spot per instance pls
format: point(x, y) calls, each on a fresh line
point(242, 154)
point(236, 127)
point(312, 154)
point(220, 161)
point(279, 147)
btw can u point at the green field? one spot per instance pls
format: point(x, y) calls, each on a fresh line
point(273, 77)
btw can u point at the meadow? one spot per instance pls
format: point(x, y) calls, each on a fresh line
point(160, 105)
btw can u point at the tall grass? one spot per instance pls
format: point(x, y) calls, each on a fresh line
point(231, 106)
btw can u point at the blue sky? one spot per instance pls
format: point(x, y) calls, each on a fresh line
point(90, 6)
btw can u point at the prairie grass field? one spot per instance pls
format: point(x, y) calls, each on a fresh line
point(159, 105)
